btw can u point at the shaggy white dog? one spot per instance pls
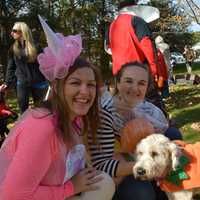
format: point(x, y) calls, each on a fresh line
point(156, 156)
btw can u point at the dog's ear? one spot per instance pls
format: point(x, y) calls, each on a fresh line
point(175, 152)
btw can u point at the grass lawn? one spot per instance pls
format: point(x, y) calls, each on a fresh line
point(184, 105)
point(181, 68)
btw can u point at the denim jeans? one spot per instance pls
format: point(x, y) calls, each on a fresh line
point(173, 134)
point(131, 189)
point(24, 92)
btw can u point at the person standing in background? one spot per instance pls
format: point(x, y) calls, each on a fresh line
point(164, 48)
point(130, 38)
point(24, 68)
point(189, 56)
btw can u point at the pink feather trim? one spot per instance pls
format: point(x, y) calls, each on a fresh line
point(56, 65)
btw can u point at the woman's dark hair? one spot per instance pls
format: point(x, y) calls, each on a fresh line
point(58, 103)
point(127, 3)
point(121, 71)
point(134, 63)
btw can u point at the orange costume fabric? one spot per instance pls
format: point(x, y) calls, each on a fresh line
point(192, 151)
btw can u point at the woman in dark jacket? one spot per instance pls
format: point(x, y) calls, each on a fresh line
point(23, 67)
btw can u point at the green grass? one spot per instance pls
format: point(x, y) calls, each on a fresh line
point(12, 102)
point(184, 105)
point(181, 68)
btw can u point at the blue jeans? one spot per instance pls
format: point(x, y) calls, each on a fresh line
point(23, 93)
point(173, 134)
point(131, 189)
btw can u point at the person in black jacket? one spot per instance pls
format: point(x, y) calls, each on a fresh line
point(23, 67)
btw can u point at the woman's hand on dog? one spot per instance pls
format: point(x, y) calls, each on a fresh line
point(85, 180)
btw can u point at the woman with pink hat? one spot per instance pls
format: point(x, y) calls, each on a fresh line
point(45, 155)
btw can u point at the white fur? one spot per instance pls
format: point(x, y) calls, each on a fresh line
point(156, 155)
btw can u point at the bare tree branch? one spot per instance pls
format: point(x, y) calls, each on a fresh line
point(195, 5)
point(193, 12)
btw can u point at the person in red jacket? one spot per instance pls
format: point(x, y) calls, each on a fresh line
point(130, 36)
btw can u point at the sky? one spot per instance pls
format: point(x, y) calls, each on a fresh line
point(194, 27)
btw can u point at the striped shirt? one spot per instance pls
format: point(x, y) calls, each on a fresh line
point(111, 122)
point(102, 152)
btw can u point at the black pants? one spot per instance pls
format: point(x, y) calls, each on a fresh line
point(131, 189)
point(24, 92)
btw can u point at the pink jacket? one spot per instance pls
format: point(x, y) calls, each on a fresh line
point(32, 161)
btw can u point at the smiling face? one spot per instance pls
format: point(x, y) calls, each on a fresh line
point(80, 91)
point(133, 85)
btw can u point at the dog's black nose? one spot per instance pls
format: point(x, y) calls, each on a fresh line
point(141, 171)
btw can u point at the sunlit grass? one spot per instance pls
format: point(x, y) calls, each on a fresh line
point(184, 105)
point(181, 68)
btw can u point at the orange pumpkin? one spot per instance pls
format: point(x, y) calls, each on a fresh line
point(133, 132)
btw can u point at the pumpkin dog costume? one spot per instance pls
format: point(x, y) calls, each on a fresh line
point(192, 169)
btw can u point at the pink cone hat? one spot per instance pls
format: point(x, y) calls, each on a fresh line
point(60, 54)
